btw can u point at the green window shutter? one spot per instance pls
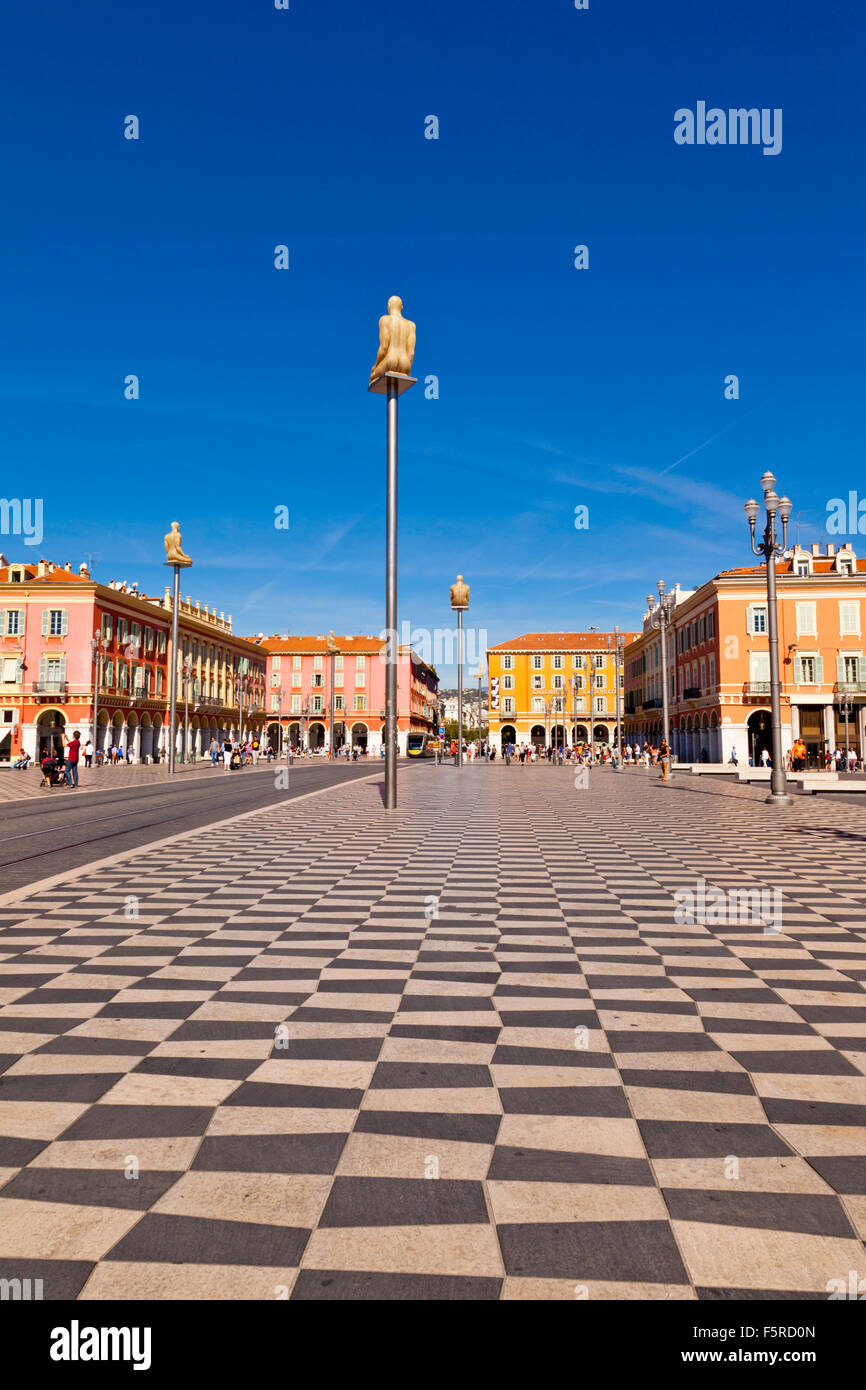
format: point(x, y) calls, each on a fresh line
point(2, 622)
point(798, 670)
point(42, 670)
point(840, 668)
point(819, 670)
point(64, 622)
point(861, 668)
point(46, 621)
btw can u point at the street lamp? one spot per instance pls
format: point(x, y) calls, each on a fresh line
point(460, 603)
point(96, 649)
point(187, 671)
point(768, 549)
point(332, 650)
point(478, 676)
point(661, 618)
point(618, 648)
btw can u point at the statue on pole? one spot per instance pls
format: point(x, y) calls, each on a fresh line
point(396, 342)
point(173, 551)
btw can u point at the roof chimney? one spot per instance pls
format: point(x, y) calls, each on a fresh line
point(816, 549)
point(68, 566)
point(41, 569)
point(831, 549)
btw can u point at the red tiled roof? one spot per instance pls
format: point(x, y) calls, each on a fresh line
point(56, 576)
point(820, 565)
point(560, 641)
point(292, 644)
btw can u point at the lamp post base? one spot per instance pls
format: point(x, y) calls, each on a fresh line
point(779, 799)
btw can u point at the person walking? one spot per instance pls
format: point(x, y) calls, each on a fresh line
point(88, 753)
point(214, 752)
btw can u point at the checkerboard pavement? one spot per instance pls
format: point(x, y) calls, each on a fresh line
point(463, 1050)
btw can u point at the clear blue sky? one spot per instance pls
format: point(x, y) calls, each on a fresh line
point(558, 387)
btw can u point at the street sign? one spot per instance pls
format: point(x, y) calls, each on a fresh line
point(441, 730)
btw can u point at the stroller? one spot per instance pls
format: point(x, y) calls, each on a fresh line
point(235, 760)
point(53, 774)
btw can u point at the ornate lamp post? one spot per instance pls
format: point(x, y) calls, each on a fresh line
point(460, 603)
point(768, 549)
point(332, 652)
point(661, 618)
point(478, 676)
point(187, 673)
point(618, 649)
point(96, 648)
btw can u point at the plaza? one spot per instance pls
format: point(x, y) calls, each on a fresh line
point(466, 1049)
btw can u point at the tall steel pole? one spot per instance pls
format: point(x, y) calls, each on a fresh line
point(479, 715)
point(391, 600)
point(459, 687)
point(619, 648)
point(172, 703)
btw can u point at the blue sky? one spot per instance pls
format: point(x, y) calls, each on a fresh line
point(557, 387)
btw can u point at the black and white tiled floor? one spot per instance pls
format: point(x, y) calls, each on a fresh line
point(464, 1050)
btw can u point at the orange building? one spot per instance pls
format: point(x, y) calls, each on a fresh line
point(719, 666)
point(546, 687)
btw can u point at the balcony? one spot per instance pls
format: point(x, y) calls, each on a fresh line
point(49, 687)
point(651, 704)
point(692, 692)
point(850, 687)
point(755, 690)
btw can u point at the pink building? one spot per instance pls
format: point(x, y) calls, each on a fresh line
point(299, 687)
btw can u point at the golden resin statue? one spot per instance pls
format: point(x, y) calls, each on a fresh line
point(396, 342)
point(460, 593)
point(173, 551)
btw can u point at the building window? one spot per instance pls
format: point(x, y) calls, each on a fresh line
point(106, 627)
point(849, 619)
point(507, 705)
point(296, 663)
point(360, 703)
point(806, 619)
point(338, 661)
point(317, 662)
point(338, 702)
point(508, 662)
point(802, 568)
point(538, 663)
point(537, 706)
point(808, 670)
point(360, 676)
point(275, 679)
point(359, 666)
point(148, 639)
point(701, 630)
point(578, 663)
point(757, 620)
point(711, 625)
point(557, 662)
point(317, 704)
point(599, 705)
point(318, 680)
point(275, 702)
point(537, 682)
point(598, 682)
point(55, 622)
point(275, 663)
point(12, 622)
point(296, 704)
point(557, 682)
point(507, 682)
point(10, 670)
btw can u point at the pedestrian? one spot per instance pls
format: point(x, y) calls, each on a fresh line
point(664, 758)
point(49, 768)
point(73, 746)
point(227, 755)
point(88, 753)
point(765, 757)
point(214, 752)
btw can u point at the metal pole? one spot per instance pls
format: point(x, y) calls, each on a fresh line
point(172, 704)
point(459, 687)
point(391, 601)
point(186, 716)
point(778, 780)
point(847, 711)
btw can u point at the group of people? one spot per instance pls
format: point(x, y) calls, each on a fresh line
point(59, 768)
